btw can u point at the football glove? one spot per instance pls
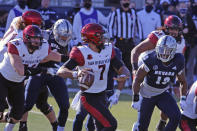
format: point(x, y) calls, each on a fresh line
point(136, 102)
point(114, 98)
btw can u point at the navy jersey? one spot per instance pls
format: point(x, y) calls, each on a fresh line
point(160, 75)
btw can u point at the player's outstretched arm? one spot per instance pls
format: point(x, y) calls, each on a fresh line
point(140, 48)
point(183, 83)
point(183, 86)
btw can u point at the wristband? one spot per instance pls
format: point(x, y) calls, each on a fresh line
point(64, 58)
point(75, 74)
point(136, 97)
point(134, 66)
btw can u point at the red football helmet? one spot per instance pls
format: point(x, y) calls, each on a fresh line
point(32, 17)
point(173, 21)
point(32, 31)
point(93, 33)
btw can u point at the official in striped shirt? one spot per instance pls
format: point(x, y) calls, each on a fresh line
point(122, 28)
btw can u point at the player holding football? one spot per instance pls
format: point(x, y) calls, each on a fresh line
point(189, 114)
point(96, 55)
point(20, 61)
point(159, 68)
point(173, 27)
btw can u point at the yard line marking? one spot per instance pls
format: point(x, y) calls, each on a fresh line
point(39, 113)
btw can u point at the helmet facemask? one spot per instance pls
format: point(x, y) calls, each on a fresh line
point(32, 37)
point(166, 48)
point(62, 31)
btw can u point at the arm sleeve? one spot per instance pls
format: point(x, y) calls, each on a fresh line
point(77, 56)
point(12, 49)
point(116, 63)
point(70, 64)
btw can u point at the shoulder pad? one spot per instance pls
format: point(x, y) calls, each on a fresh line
point(158, 33)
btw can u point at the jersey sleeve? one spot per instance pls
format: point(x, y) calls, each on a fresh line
point(12, 49)
point(147, 62)
point(155, 35)
point(77, 56)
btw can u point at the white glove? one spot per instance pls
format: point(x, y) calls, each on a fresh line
point(183, 102)
point(136, 103)
point(114, 98)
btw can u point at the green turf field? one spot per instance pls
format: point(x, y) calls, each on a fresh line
point(124, 114)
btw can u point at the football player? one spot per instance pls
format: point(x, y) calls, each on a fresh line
point(189, 114)
point(159, 68)
point(96, 55)
point(30, 17)
point(173, 27)
point(20, 61)
point(36, 89)
point(112, 95)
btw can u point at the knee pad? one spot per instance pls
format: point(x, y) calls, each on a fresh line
point(45, 109)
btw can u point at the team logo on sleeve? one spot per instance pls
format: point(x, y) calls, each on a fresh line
point(155, 67)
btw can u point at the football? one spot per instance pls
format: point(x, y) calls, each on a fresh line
point(86, 79)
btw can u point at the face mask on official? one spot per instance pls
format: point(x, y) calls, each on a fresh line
point(165, 7)
point(149, 8)
point(87, 5)
point(22, 4)
point(126, 5)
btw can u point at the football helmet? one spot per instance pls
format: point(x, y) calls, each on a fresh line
point(32, 31)
point(166, 48)
point(62, 31)
point(32, 17)
point(95, 34)
point(173, 22)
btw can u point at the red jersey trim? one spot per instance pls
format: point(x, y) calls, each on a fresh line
point(196, 91)
point(113, 54)
point(153, 38)
point(77, 56)
point(12, 49)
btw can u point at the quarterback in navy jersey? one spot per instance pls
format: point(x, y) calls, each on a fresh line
point(36, 89)
point(159, 68)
